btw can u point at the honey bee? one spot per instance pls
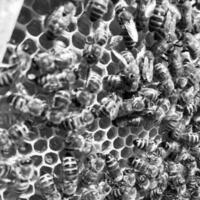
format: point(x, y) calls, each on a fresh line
point(155, 193)
point(190, 139)
point(116, 193)
point(61, 99)
point(70, 174)
point(5, 142)
point(126, 21)
point(144, 144)
point(149, 93)
point(97, 9)
point(90, 194)
point(59, 20)
point(101, 34)
point(25, 169)
point(20, 187)
point(192, 45)
point(94, 80)
point(48, 187)
point(143, 182)
point(126, 121)
point(113, 167)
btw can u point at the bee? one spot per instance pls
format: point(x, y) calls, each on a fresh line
point(7, 173)
point(185, 8)
point(149, 93)
point(20, 186)
point(27, 104)
point(126, 21)
point(144, 144)
point(59, 20)
point(25, 169)
point(61, 99)
point(70, 174)
point(192, 45)
point(190, 139)
point(130, 193)
point(128, 121)
point(155, 193)
point(143, 182)
point(116, 193)
point(48, 187)
point(101, 34)
point(179, 184)
point(94, 80)
point(97, 9)
point(113, 167)
point(90, 194)
point(5, 142)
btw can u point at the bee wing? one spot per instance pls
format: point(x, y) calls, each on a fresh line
point(114, 41)
point(150, 8)
point(119, 57)
point(132, 30)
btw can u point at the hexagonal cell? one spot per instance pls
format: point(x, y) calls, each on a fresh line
point(51, 158)
point(112, 68)
point(115, 28)
point(46, 41)
point(143, 134)
point(42, 7)
point(136, 130)
point(45, 169)
point(40, 145)
point(25, 15)
point(29, 46)
point(56, 143)
point(106, 145)
point(37, 160)
point(17, 37)
point(123, 131)
point(84, 24)
point(104, 122)
point(36, 197)
point(78, 40)
point(153, 132)
point(126, 152)
point(99, 135)
point(94, 126)
point(25, 148)
point(148, 124)
point(58, 170)
point(118, 143)
point(129, 140)
point(105, 58)
point(112, 133)
point(123, 163)
point(45, 132)
point(34, 27)
point(115, 153)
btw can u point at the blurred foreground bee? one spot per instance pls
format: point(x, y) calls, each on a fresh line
point(113, 167)
point(126, 21)
point(70, 174)
point(48, 187)
point(97, 9)
point(59, 20)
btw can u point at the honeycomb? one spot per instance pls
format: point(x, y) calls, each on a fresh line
point(47, 144)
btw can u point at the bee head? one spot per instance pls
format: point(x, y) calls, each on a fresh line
point(135, 142)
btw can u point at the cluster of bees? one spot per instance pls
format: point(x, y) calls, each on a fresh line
point(158, 80)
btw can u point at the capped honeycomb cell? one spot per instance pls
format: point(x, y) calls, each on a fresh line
point(17, 36)
point(34, 27)
point(25, 15)
point(112, 133)
point(25, 148)
point(40, 145)
point(118, 143)
point(78, 40)
point(104, 122)
point(29, 46)
point(56, 143)
point(99, 135)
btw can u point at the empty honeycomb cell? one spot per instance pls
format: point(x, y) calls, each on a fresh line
point(72, 27)
point(37, 160)
point(56, 143)
point(94, 126)
point(34, 27)
point(99, 135)
point(58, 170)
point(17, 37)
point(148, 124)
point(46, 41)
point(104, 122)
point(25, 15)
point(112, 133)
point(123, 163)
point(106, 145)
point(51, 158)
point(29, 46)
point(25, 148)
point(84, 24)
point(45, 169)
point(105, 58)
point(36, 197)
point(153, 132)
point(126, 152)
point(112, 68)
point(123, 131)
point(136, 130)
point(40, 145)
point(143, 134)
point(45, 132)
point(41, 7)
point(129, 140)
point(115, 28)
point(78, 40)
point(115, 153)
point(118, 143)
